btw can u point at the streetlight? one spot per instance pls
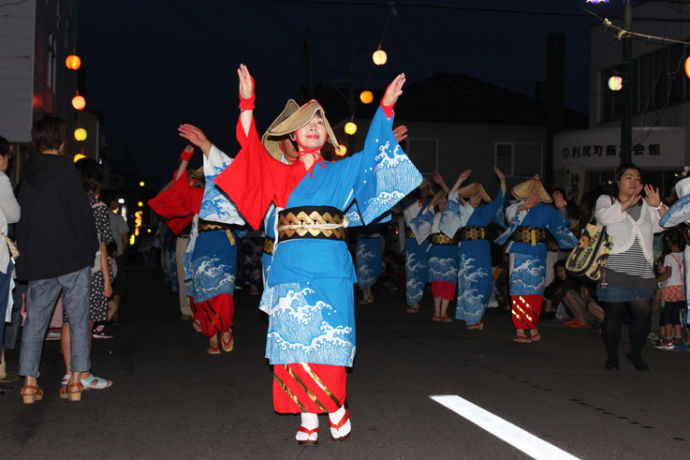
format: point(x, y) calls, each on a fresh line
point(142, 183)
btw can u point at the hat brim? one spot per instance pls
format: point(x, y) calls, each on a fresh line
point(299, 119)
point(471, 190)
point(524, 189)
point(272, 142)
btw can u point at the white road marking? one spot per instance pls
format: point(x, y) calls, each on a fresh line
point(517, 437)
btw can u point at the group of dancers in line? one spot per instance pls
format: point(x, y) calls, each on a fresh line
point(282, 180)
point(447, 244)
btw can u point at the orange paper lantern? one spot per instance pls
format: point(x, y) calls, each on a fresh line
point(73, 62)
point(78, 102)
point(366, 97)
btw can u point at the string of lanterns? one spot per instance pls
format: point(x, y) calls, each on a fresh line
point(379, 58)
point(73, 62)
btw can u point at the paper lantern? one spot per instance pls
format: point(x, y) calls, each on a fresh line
point(687, 67)
point(366, 97)
point(78, 156)
point(73, 62)
point(615, 83)
point(379, 57)
point(142, 183)
point(341, 151)
point(350, 128)
point(80, 134)
point(78, 102)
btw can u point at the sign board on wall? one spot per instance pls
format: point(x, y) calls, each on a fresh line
point(659, 148)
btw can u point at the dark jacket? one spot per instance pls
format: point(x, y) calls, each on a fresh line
point(56, 234)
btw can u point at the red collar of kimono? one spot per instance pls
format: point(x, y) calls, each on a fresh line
point(306, 151)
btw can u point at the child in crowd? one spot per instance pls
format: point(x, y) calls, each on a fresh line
point(672, 274)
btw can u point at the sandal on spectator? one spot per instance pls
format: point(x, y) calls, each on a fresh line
point(31, 393)
point(446, 319)
point(72, 391)
point(436, 318)
point(95, 383)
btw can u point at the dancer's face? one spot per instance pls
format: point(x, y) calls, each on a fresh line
point(313, 134)
point(475, 200)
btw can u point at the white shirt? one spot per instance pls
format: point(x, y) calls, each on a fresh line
point(625, 229)
point(675, 262)
point(9, 213)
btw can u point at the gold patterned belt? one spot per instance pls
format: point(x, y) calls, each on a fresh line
point(268, 245)
point(530, 235)
point(471, 233)
point(314, 222)
point(409, 233)
point(440, 238)
point(208, 226)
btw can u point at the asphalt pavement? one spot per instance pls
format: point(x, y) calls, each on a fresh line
point(170, 400)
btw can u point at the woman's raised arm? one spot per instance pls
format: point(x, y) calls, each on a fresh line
point(247, 97)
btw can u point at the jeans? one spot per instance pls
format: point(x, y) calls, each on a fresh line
point(41, 301)
point(5, 280)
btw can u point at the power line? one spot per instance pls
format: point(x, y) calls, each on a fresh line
point(469, 9)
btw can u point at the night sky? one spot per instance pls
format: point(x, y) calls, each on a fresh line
point(151, 65)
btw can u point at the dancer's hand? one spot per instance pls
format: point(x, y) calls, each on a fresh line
point(394, 90)
point(400, 133)
point(246, 82)
point(558, 200)
point(195, 136)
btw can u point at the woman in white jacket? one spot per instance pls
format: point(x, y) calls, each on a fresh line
point(627, 281)
point(9, 214)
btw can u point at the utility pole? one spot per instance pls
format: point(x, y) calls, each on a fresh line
point(626, 116)
point(307, 54)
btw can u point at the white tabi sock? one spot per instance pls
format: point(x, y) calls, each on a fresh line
point(309, 421)
point(335, 418)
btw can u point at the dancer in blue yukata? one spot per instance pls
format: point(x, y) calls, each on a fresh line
point(309, 294)
point(466, 214)
point(210, 259)
point(529, 219)
point(416, 249)
point(369, 259)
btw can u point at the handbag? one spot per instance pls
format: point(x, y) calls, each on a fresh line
point(11, 245)
point(589, 256)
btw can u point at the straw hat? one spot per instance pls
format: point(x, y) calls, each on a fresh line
point(472, 189)
point(294, 118)
point(272, 143)
point(197, 173)
point(524, 189)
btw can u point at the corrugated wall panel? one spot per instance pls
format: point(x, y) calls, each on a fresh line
point(17, 26)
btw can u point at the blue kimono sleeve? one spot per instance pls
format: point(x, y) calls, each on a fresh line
point(215, 205)
point(451, 217)
point(678, 213)
point(381, 173)
point(495, 210)
point(559, 229)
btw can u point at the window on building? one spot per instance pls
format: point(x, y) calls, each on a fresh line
point(423, 153)
point(519, 159)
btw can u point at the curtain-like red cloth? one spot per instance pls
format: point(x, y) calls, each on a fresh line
point(526, 310)
point(215, 314)
point(306, 387)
